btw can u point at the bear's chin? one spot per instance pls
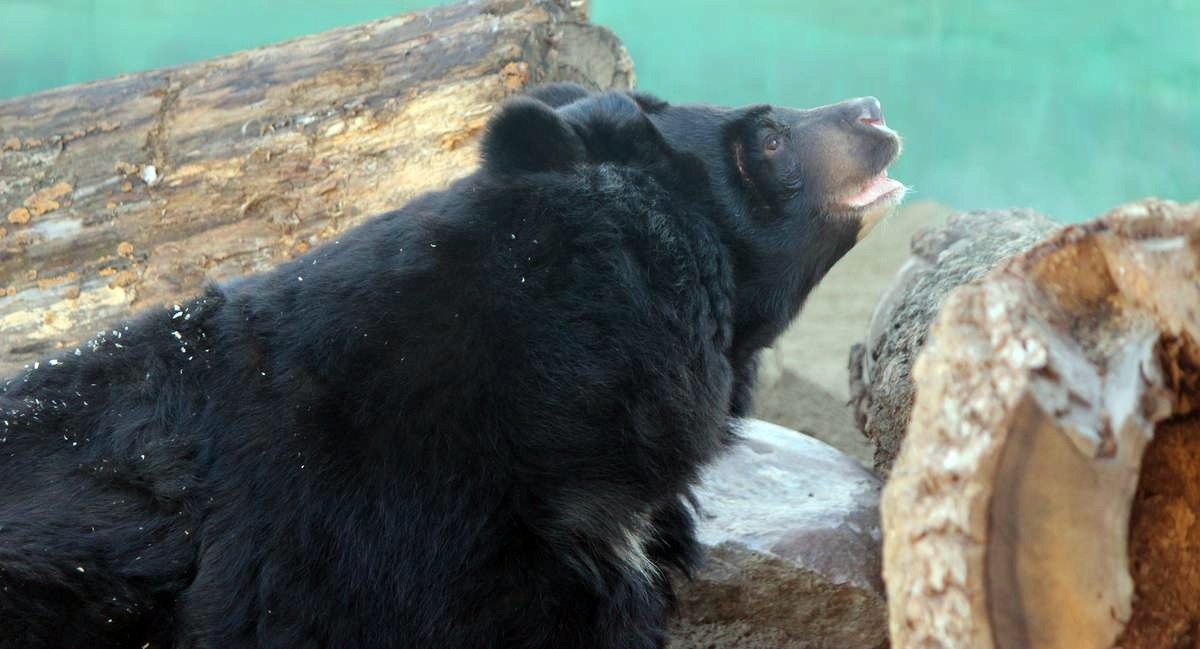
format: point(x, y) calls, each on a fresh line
point(876, 201)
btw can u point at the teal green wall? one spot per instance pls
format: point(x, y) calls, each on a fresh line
point(1069, 107)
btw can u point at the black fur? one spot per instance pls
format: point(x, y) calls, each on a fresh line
point(468, 423)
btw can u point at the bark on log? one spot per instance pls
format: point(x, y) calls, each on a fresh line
point(1054, 446)
point(966, 247)
point(132, 191)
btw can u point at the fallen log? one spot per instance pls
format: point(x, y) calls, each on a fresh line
point(942, 258)
point(1048, 491)
point(131, 192)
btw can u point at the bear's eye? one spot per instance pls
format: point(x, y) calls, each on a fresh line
point(772, 143)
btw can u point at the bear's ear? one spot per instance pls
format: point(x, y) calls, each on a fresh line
point(528, 136)
point(614, 128)
point(558, 94)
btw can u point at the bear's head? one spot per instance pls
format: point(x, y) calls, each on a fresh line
point(794, 189)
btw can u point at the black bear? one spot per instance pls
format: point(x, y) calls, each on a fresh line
point(470, 423)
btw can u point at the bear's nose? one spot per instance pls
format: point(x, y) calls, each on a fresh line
point(870, 111)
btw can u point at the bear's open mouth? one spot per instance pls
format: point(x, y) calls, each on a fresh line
point(877, 189)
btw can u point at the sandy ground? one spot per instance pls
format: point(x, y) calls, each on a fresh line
point(803, 382)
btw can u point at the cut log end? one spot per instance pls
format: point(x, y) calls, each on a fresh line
point(1029, 506)
point(964, 248)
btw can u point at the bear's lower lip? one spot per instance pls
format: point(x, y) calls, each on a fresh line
point(875, 189)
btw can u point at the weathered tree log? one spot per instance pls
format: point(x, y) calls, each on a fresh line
point(131, 192)
point(966, 247)
point(1048, 491)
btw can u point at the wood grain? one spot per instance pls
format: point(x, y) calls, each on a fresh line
point(1007, 514)
point(133, 191)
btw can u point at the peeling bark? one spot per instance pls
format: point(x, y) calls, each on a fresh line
point(133, 191)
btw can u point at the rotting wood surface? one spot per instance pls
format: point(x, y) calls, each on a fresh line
point(1006, 518)
point(134, 191)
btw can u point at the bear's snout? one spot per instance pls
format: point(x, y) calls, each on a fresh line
point(868, 112)
point(864, 116)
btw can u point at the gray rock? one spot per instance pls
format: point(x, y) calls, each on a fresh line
point(792, 531)
point(943, 258)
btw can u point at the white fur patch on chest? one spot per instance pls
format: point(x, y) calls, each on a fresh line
point(630, 548)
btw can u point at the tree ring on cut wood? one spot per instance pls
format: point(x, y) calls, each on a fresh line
point(1054, 447)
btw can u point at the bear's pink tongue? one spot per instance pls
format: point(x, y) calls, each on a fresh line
point(874, 190)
